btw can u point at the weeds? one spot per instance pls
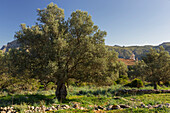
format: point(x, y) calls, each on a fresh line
point(87, 95)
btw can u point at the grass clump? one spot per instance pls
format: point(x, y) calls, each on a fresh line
point(87, 96)
point(135, 83)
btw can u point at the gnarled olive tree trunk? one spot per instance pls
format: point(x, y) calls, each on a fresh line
point(61, 91)
point(155, 86)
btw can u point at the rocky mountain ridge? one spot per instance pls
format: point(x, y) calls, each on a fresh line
point(138, 51)
point(124, 52)
point(11, 45)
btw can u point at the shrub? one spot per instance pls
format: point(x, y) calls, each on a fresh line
point(167, 83)
point(135, 83)
point(18, 85)
point(51, 86)
point(121, 81)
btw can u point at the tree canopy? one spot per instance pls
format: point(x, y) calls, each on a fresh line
point(60, 49)
point(155, 66)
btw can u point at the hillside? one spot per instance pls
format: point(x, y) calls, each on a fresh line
point(10, 45)
point(126, 52)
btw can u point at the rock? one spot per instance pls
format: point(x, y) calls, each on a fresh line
point(155, 106)
point(143, 105)
point(117, 98)
point(96, 109)
point(1, 108)
point(5, 108)
point(43, 108)
point(8, 111)
point(132, 99)
point(58, 107)
point(29, 107)
point(65, 106)
point(167, 105)
point(124, 106)
point(28, 111)
point(100, 107)
point(76, 106)
point(53, 108)
point(116, 107)
point(109, 107)
point(91, 106)
point(149, 106)
point(160, 106)
point(36, 109)
point(8, 108)
point(3, 111)
point(135, 107)
point(32, 107)
point(81, 108)
point(104, 108)
point(49, 109)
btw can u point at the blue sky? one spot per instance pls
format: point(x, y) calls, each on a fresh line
point(127, 22)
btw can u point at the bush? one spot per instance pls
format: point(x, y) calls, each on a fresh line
point(51, 86)
point(121, 81)
point(18, 85)
point(15, 84)
point(167, 83)
point(135, 83)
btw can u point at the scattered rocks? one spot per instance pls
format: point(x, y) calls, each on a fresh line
point(150, 106)
point(160, 106)
point(132, 99)
point(135, 107)
point(167, 105)
point(117, 98)
point(143, 105)
point(100, 107)
point(65, 106)
point(43, 109)
point(76, 106)
point(124, 106)
point(58, 107)
point(7, 110)
point(116, 107)
point(49, 109)
point(109, 107)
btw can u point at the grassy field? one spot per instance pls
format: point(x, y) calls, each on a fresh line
point(88, 97)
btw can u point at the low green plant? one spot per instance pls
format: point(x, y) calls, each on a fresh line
point(167, 83)
point(51, 86)
point(135, 83)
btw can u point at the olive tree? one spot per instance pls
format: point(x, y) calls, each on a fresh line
point(64, 49)
point(155, 66)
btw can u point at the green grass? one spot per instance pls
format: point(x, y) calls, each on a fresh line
point(90, 95)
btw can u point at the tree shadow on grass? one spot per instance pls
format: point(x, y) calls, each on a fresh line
point(112, 93)
point(96, 92)
point(29, 99)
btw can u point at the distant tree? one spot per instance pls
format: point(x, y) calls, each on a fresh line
point(122, 69)
point(3, 64)
point(155, 66)
point(62, 50)
point(136, 71)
